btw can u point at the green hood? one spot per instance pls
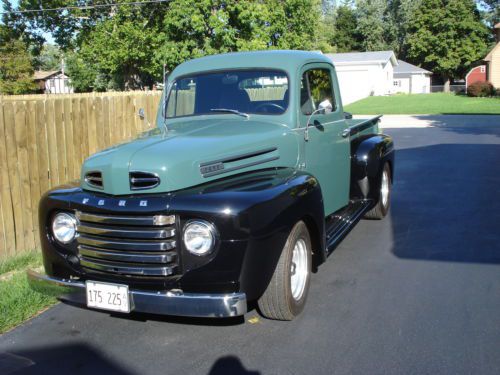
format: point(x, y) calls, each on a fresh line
point(220, 146)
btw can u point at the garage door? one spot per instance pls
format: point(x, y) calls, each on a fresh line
point(354, 85)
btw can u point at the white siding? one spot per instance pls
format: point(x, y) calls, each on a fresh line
point(401, 85)
point(360, 80)
point(58, 85)
point(420, 84)
point(412, 83)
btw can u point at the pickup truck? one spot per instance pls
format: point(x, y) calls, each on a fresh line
point(250, 179)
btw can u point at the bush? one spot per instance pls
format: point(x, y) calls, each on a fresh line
point(480, 89)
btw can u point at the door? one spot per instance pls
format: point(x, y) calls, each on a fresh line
point(327, 151)
point(354, 84)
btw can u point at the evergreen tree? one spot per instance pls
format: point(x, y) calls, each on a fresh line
point(372, 25)
point(16, 70)
point(347, 37)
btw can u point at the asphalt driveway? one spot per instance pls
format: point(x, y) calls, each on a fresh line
point(417, 293)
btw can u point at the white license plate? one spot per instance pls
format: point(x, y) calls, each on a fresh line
point(108, 296)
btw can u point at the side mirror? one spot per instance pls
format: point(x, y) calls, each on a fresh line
point(325, 106)
point(347, 115)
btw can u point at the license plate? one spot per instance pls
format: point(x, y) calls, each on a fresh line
point(108, 296)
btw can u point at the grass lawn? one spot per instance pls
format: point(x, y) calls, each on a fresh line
point(17, 301)
point(431, 104)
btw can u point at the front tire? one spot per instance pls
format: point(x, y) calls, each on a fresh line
point(286, 294)
point(380, 210)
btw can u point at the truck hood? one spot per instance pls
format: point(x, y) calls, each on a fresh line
point(193, 152)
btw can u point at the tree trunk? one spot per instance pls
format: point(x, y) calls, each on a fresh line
point(446, 87)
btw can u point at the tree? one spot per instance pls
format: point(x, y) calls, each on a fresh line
point(16, 71)
point(399, 14)
point(446, 37)
point(372, 24)
point(49, 59)
point(347, 38)
point(294, 23)
point(194, 28)
point(125, 46)
point(491, 9)
point(325, 39)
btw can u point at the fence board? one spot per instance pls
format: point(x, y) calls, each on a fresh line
point(23, 171)
point(43, 142)
point(92, 126)
point(68, 132)
point(42, 147)
point(33, 166)
point(77, 133)
point(60, 140)
point(5, 196)
point(105, 122)
point(99, 117)
point(52, 143)
point(13, 168)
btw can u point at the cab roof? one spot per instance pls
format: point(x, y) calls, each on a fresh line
point(289, 61)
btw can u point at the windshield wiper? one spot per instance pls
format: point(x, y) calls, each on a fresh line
point(227, 110)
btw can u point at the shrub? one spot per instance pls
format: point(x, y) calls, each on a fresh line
point(480, 89)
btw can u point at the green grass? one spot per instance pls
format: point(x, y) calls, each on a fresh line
point(431, 104)
point(17, 301)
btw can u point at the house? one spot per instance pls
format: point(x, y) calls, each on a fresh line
point(492, 60)
point(362, 74)
point(53, 82)
point(411, 79)
point(476, 74)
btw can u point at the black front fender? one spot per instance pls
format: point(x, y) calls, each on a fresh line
point(369, 154)
point(254, 213)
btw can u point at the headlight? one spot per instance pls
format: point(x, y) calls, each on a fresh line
point(64, 227)
point(199, 237)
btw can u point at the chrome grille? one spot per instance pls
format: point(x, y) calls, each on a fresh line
point(94, 179)
point(127, 245)
point(143, 180)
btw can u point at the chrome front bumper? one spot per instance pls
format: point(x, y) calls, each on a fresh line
point(164, 303)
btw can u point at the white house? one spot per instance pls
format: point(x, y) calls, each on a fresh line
point(362, 74)
point(411, 79)
point(53, 82)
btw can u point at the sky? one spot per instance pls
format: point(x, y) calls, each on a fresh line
point(48, 37)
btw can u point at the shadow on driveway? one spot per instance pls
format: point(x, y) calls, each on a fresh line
point(453, 187)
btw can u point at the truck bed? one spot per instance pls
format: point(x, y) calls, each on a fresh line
point(363, 126)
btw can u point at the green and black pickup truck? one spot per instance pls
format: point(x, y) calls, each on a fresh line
point(252, 176)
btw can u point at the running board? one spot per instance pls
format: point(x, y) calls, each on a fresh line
point(341, 222)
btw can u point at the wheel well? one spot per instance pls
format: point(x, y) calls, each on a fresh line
point(316, 242)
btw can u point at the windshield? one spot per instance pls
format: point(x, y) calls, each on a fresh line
point(231, 92)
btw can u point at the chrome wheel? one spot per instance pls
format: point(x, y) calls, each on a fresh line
point(385, 188)
point(299, 269)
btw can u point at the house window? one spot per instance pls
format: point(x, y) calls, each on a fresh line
point(482, 69)
point(396, 83)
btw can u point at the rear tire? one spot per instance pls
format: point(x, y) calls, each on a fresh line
point(380, 210)
point(286, 294)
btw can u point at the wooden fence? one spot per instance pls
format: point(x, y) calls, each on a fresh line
point(43, 142)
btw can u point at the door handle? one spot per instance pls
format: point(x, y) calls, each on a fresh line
point(346, 133)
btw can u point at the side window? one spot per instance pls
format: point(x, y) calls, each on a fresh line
point(316, 86)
